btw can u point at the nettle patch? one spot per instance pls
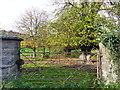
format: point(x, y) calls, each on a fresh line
point(112, 43)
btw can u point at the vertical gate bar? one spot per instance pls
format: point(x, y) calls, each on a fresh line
point(59, 58)
point(97, 65)
point(100, 66)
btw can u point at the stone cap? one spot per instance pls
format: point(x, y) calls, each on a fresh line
point(10, 37)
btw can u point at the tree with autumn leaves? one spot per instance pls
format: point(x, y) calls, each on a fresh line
point(79, 25)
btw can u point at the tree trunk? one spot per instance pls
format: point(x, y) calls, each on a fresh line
point(85, 57)
point(69, 52)
point(88, 59)
point(43, 51)
point(82, 57)
point(34, 52)
point(49, 50)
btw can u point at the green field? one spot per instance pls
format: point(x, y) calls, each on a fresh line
point(23, 50)
point(39, 53)
point(30, 50)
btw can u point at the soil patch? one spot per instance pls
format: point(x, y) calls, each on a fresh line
point(30, 61)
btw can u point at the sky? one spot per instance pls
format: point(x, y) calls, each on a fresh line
point(10, 10)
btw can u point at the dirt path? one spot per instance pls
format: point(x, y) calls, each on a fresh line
point(61, 60)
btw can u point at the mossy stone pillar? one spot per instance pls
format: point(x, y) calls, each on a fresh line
point(9, 57)
point(110, 69)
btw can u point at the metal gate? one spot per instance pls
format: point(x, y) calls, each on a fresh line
point(50, 68)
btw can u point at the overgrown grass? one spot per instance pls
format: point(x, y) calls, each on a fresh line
point(57, 77)
point(53, 77)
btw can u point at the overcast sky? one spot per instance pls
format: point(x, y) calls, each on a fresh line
point(10, 10)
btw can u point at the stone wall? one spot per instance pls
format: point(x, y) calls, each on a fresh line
point(9, 56)
point(110, 69)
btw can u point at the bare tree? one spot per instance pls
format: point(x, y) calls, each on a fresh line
point(33, 24)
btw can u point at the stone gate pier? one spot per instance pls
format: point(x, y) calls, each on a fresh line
point(9, 57)
point(110, 69)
